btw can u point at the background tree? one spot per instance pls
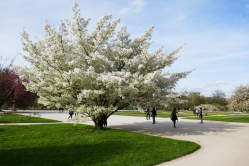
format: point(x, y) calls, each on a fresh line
point(220, 101)
point(8, 80)
point(181, 105)
point(22, 99)
point(239, 100)
point(6, 74)
point(99, 72)
point(195, 99)
point(12, 91)
point(219, 94)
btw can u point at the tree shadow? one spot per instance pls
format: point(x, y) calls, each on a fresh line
point(164, 127)
point(88, 154)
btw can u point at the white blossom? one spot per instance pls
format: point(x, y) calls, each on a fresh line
point(97, 72)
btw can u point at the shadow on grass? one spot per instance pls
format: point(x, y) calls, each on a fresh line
point(90, 154)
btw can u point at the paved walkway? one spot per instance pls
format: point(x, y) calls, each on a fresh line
point(222, 143)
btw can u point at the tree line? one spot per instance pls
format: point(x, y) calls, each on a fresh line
point(195, 99)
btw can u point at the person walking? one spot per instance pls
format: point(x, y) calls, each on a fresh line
point(201, 115)
point(70, 114)
point(153, 114)
point(148, 113)
point(174, 117)
point(206, 111)
point(194, 111)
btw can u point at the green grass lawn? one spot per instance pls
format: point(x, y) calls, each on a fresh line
point(221, 113)
point(65, 144)
point(12, 114)
point(15, 118)
point(232, 118)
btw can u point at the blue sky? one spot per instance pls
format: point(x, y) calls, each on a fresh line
point(216, 33)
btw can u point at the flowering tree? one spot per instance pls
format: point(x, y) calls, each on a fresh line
point(97, 73)
point(207, 106)
point(239, 100)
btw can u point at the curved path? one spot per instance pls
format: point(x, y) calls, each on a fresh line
point(222, 143)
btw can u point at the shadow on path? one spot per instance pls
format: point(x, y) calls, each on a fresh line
point(165, 127)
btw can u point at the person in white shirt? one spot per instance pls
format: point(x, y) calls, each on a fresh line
point(196, 112)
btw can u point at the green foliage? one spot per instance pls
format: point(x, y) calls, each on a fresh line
point(195, 98)
point(65, 144)
point(225, 108)
point(216, 104)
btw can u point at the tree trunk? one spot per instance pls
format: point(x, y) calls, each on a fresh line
point(5, 105)
point(99, 121)
point(14, 106)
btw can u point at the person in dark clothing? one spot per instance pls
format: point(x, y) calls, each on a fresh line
point(153, 114)
point(105, 120)
point(174, 117)
point(70, 114)
point(201, 115)
point(148, 113)
point(61, 110)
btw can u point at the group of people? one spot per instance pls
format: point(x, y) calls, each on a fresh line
point(153, 114)
point(196, 111)
point(71, 114)
point(173, 115)
point(61, 110)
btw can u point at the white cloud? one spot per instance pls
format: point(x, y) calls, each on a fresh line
point(136, 7)
point(218, 82)
point(139, 4)
point(124, 11)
